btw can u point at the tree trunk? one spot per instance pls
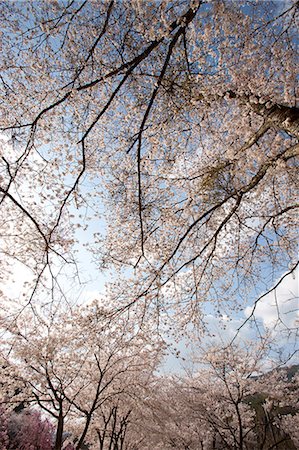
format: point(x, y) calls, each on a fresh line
point(84, 432)
point(276, 115)
point(59, 432)
point(282, 117)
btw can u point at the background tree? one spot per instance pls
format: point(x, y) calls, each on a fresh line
point(28, 430)
point(226, 403)
point(25, 430)
point(77, 367)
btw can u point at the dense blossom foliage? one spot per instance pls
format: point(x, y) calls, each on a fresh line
point(179, 117)
point(227, 401)
point(84, 371)
point(157, 140)
point(225, 404)
point(25, 431)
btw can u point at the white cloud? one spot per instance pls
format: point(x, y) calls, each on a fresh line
point(280, 307)
point(15, 287)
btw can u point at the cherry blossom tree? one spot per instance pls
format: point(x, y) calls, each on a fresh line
point(180, 117)
point(25, 430)
point(28, 430)
point(228, 403)
point(175, 123)
point(117, 425)
point(77, 367)
point(98, 385)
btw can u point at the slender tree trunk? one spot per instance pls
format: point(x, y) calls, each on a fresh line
point(59, 432)
point(82, 437)
point(240, 426)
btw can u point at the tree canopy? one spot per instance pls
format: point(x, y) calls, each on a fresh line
point(161, 139)
point(178, 119)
